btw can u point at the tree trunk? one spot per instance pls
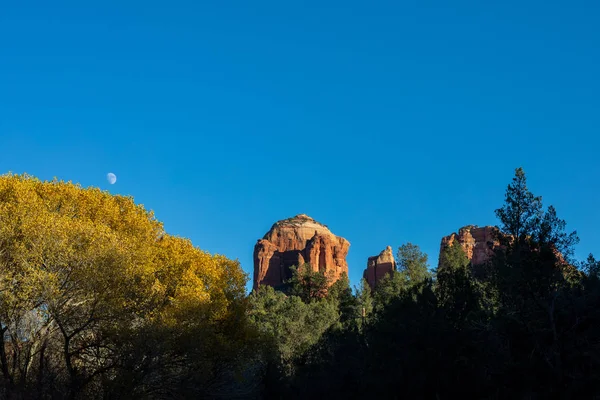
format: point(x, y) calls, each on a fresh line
point(40, 378)
point(9, 383)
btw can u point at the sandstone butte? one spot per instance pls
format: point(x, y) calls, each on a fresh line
point(295, 241)
point(379, 266)
point(478, 243)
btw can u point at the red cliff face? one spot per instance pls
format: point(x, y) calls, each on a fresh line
point(478, 243)
point(379, 266)
point(296, 241)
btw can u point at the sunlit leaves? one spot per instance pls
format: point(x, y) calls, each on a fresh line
point(80, 267)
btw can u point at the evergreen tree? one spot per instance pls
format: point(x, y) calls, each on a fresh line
point(289, 325)
point(307, 284)
point(591, 267)
point(389, 288)
point(365, 302)
point(522, 211)
point(453, 257)
point(535, 294)
point(412, 262)
point(341, 294)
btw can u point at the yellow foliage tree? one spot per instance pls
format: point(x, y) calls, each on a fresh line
point(81, 271)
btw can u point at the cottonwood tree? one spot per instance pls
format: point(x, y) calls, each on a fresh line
point(84, 273)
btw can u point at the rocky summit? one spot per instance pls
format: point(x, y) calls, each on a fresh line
point(478, 243)
point(379, 266)
point(295, 241)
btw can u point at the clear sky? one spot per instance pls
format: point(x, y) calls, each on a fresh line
point(388, 121)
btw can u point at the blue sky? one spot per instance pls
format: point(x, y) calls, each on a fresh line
point(388, 121)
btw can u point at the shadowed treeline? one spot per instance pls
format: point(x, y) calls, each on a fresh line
point(525, 325)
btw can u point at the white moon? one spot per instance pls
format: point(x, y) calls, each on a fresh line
point(112, 178)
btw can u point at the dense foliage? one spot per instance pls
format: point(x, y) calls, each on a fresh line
point(526, 325)
point(97, 301)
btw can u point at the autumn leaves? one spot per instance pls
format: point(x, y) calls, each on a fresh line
point(82, 272)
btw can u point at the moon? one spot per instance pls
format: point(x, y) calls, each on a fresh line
point(111, 178)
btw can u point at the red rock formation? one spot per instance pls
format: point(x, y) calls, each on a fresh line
point(295, 241)
point(379, 266)
point(478, 243)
